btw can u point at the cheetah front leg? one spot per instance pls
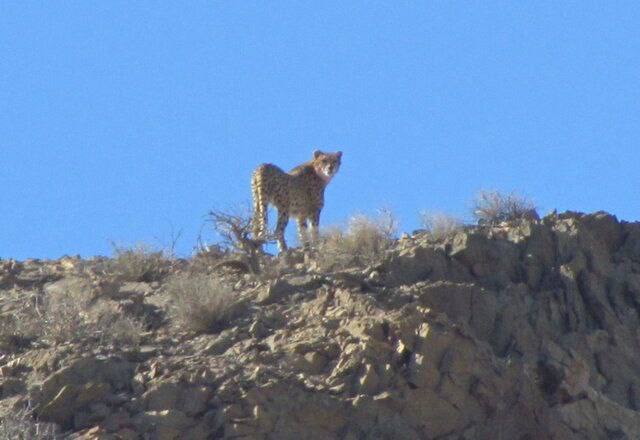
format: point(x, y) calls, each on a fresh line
point(315, 225)
point(303, 237)
point(283, 219)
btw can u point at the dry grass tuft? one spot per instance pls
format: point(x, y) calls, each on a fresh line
point(201, 303)
point(65, 314)
point(363, 243)
point(139, 263)
point(115, 328)
point(207, 257)
point(440, 225)
point(19, 327)
point(492, 207)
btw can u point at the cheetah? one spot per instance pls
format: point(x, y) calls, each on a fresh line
point(299, 193)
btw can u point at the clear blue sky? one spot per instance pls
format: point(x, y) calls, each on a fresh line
point(121, 120)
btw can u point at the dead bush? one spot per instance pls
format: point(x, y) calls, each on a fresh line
point(20, 425)
point(201, 303)
point(10, 340)
point(64, 315)
point(363, 243)
point(115, 328)
point(234, 231)
point(20, 327)
point(56, 317)
point(492, 207)
point(206, 257)
point(139, 263)
point(67, 314)
point(440, 225)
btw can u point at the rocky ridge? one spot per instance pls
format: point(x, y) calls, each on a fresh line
point(529, 330)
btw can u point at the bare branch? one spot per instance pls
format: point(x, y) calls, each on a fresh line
point(235, 232)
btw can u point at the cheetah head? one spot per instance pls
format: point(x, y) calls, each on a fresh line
point(326, 164)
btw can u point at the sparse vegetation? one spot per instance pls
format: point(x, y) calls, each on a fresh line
point(234, 230)
point(65, 314)
point(21, 325)
point(123, 330)
point(492, 207)
point(69, 332)
point(139, 263)
point(364, 241)
point(20, 425)
point(440, 225)
point(115, 328)
point(201, 303)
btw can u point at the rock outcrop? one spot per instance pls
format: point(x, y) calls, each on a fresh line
point(518, 331)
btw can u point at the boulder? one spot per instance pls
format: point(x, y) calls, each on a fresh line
point(85, 381)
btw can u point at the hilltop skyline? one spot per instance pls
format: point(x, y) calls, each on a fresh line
point(129, 122)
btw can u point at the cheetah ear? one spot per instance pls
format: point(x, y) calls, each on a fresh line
point(317, 153)
point(339, 154)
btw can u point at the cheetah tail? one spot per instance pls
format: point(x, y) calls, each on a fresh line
point(259, 207)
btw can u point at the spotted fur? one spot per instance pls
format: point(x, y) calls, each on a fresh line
point(299, 194)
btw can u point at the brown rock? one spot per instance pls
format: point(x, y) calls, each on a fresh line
point(190, 399)
point(316, 362)
point(61, 407)
point(165, 424)
point(518, 330)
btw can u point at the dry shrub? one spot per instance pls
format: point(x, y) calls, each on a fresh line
point(115, 328)
point(64, 314)
point(121, 330)
point(206, 257)
point(71, 315)
point(21, 326)
point(363, 243)
point(10, 338)
point(56, 317)
point(492, 207)
point(139, 263)
point(440, 225)
point(20, 425)
point(201, 303)
point(234, 230)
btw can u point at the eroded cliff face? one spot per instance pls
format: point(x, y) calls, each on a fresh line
point(523, 331)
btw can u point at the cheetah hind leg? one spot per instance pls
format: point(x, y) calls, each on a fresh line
point(283, 219)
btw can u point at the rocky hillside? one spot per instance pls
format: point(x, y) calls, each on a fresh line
point(517, 331)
